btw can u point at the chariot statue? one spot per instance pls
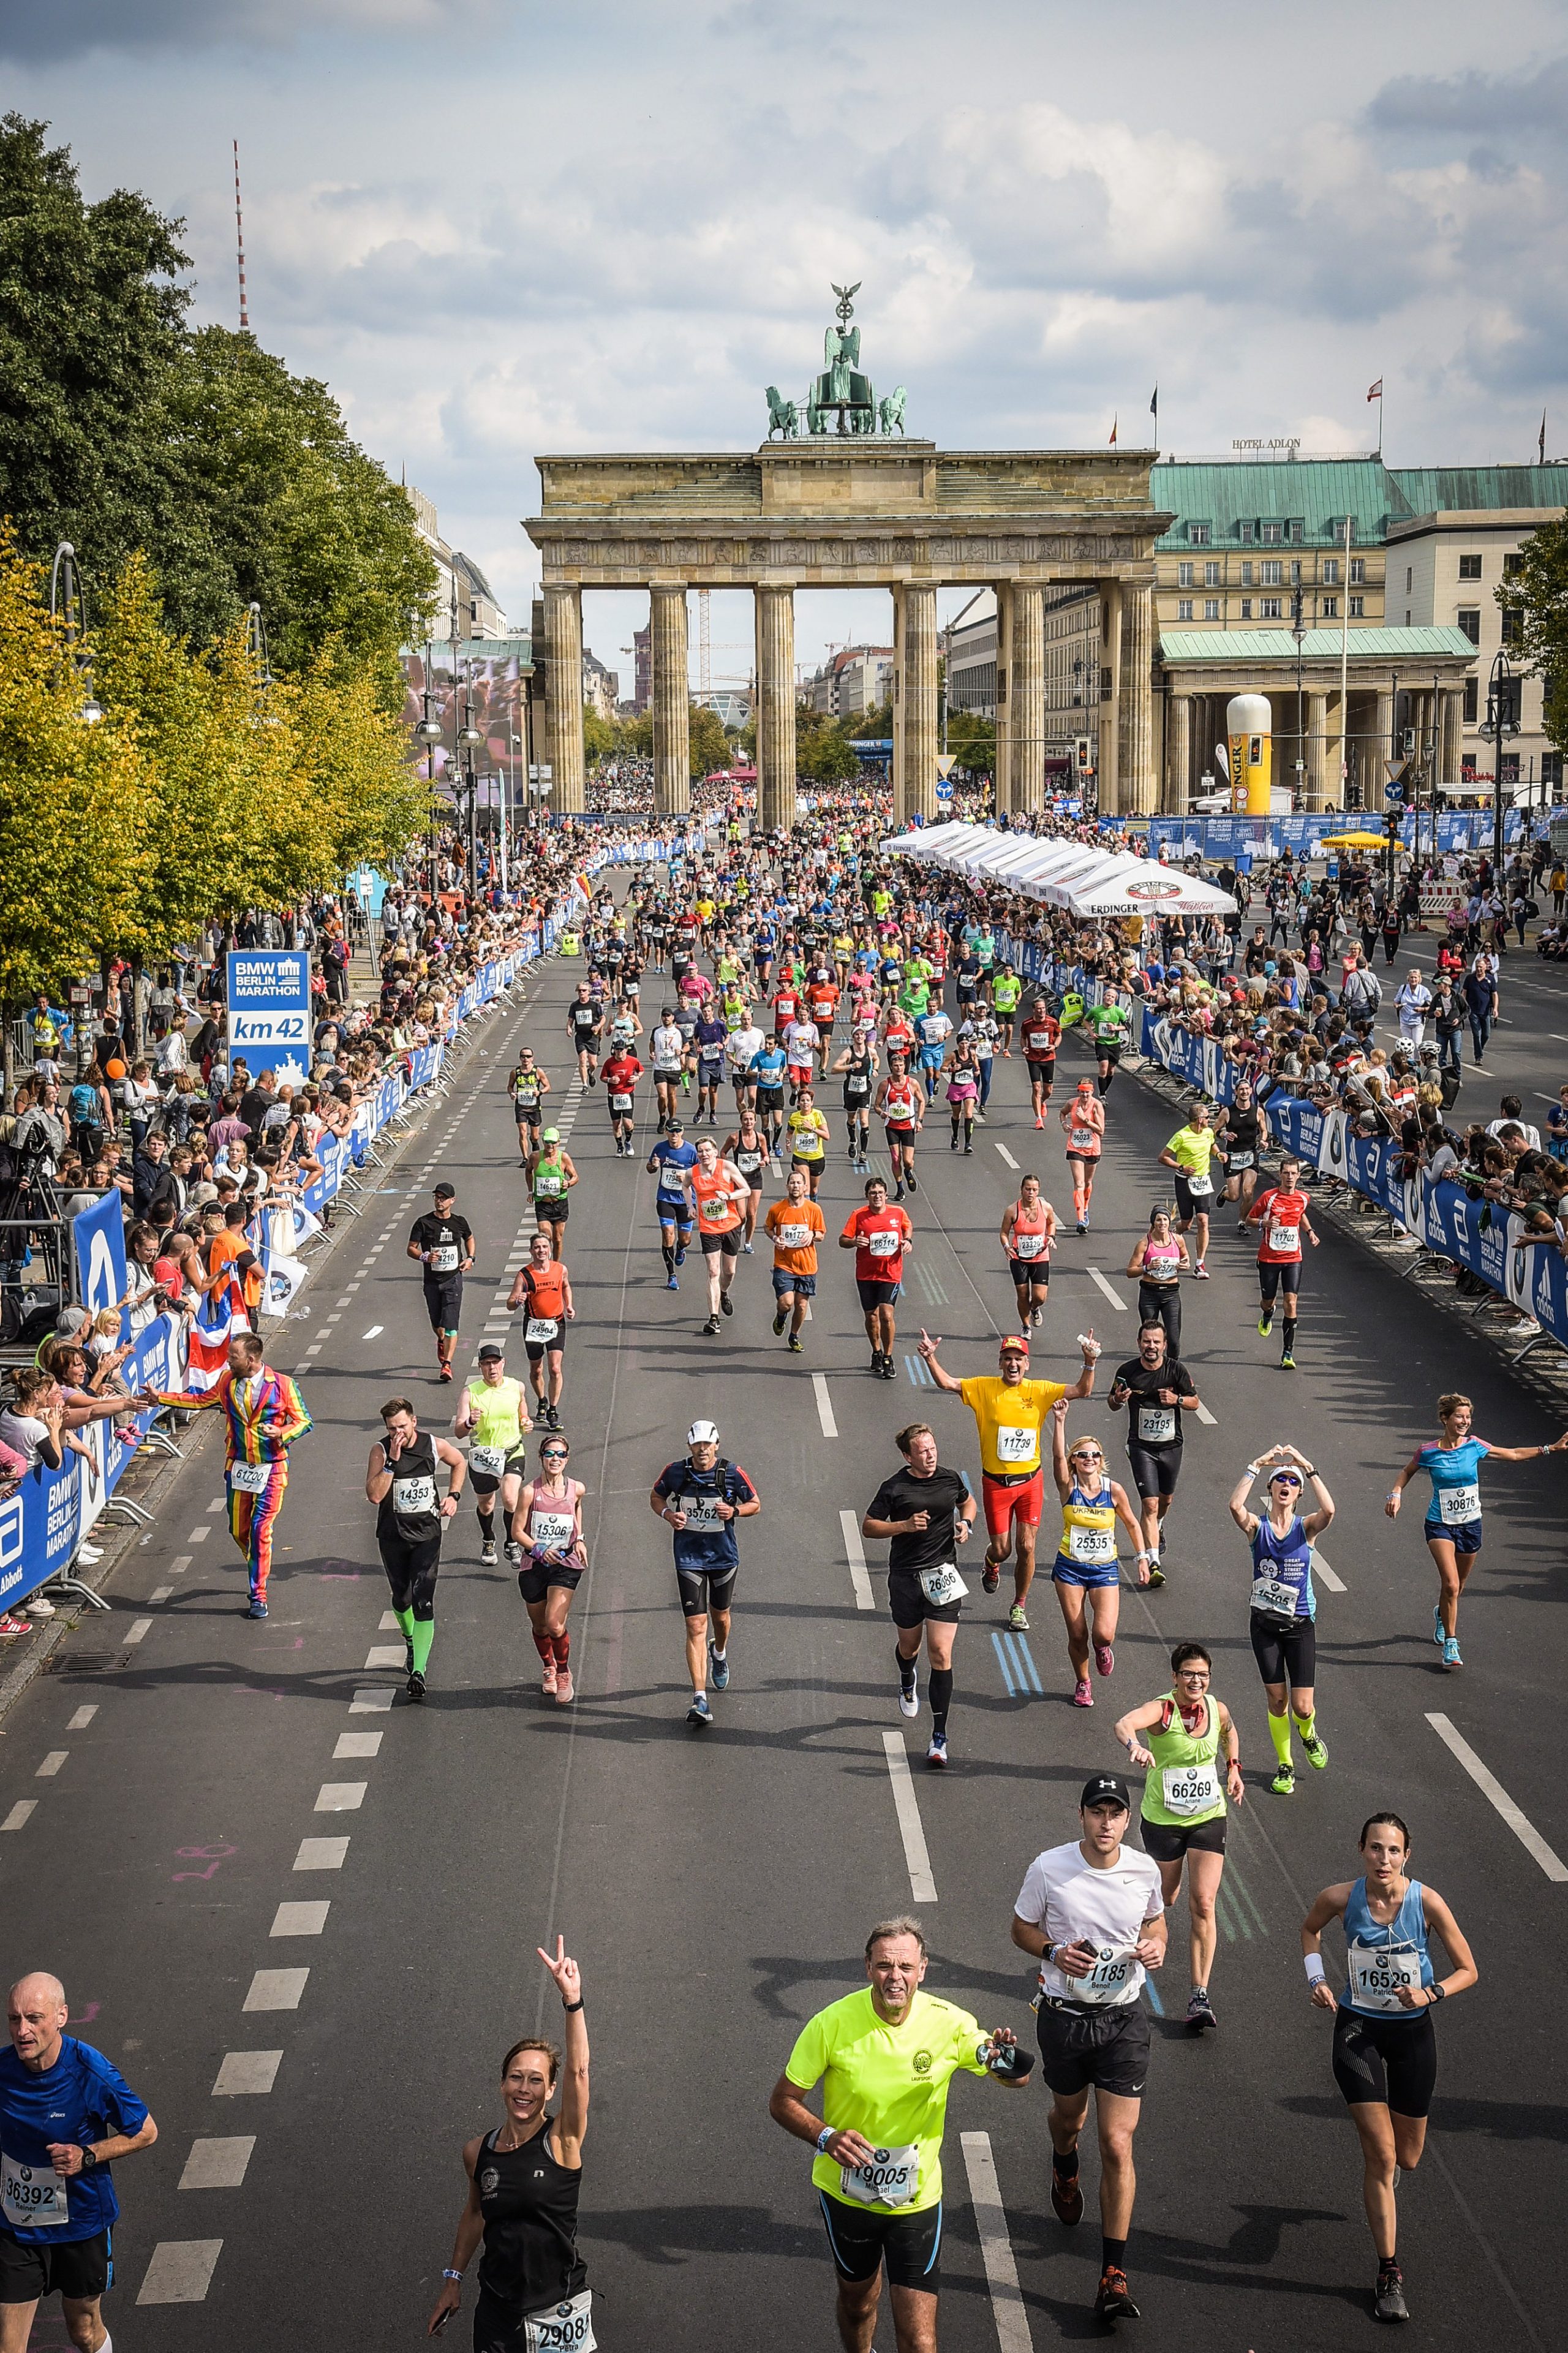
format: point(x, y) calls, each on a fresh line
point(842, 395)
point(784, 417)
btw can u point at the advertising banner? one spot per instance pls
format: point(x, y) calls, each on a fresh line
point(269, 1011)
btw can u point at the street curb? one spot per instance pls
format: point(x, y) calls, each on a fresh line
point(51, 1631)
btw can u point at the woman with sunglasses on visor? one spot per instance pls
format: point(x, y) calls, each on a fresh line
point(1284, 1606)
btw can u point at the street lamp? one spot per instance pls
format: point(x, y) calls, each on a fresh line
point(1299, 630)
point(1504, 696)
point(67, 606)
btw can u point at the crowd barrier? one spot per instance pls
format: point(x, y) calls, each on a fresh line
point(1440, 1214)
point(51, 1512)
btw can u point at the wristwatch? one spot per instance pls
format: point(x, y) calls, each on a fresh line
point(88, 2160)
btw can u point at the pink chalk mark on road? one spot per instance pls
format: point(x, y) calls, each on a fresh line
point(219, 1854)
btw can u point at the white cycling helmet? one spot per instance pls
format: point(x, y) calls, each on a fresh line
point(702, 1434)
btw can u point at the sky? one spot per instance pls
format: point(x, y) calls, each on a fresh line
point(496, 228)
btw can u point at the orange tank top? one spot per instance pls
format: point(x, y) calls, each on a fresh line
point(716, 1212)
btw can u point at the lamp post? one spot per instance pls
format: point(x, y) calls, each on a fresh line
point(66, 605)
point(427, 731)
point(1504, 696)
point(1299, 630)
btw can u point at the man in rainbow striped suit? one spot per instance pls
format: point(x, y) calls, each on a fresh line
point(265, 1414)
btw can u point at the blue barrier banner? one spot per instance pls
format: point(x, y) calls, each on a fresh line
point(98, 1243)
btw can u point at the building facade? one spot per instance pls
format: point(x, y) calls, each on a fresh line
point(464, 594)
point(857, 680)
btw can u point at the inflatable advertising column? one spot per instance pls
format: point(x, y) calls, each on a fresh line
point(1248, 723)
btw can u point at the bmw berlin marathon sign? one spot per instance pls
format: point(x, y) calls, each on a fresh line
point(269, 1010)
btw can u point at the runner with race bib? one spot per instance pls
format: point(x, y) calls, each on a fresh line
point(1156, 1389)
point(1084, 1573)
point(542, 1288)
point(924, 1514)
point(1084, 1119)
point(1453, 1528)
point(1028, 1234)
point(524, 2181)
point(1386, 2052)
point(1284, 1605)
point(443, 1241)
point(885, 2058)
point(493, 1417)
point(547, 1543)
point(1280, 1215)
point(1092, 1913)
point(401, 1480)
point(1189, 1152)
point(1183, 1816)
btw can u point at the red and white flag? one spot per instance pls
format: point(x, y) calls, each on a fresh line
point(1114, 424)
point(1375, 391)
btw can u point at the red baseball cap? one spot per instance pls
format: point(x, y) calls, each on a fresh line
point(1010, 1341)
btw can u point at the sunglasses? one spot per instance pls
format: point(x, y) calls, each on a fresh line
point(1285, 1479)
point(553, 1454)
point(1088, 1454)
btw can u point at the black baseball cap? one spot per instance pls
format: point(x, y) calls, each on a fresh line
point(491, 1353)
point(443, 1192)
point(1105, 1790)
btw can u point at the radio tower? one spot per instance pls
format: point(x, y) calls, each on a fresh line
point(704, 646)
point(239, 234)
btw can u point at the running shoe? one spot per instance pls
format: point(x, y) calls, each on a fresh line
point(681, 1255)
point(911, 1180)
point(876, 1352)
point(1388, 2297)
point(1439, 1632)
point(968, 1151)
point(720, 1662)
point(416, 1685)
point(513, 1552)
point(1287, 1362)
point(711, 1326)
point(1265, 1321)
point(1017, 1623)
point(672, 1284)
point(255, 1609)
point(908, 1696)
point(564, 1691)
point(1066, 2198)
point(889, 1370)
point(40, 1606)
point(1083, 1225)
point(1082, 1697)
point(549, 1682)
point(1114, 2301)
point(445, 1374)
point(726, 1304)
point(989, 1577)
point(898, 1192)
point(552, 1418)
point(1202, 1272)
point(796, 1344)
point(1200, 2013)
point(1039, 1123)
point(1317, 1752)
point(1451, 1658)
point(782, 1318)
point(746, 1250)
point(937, 1753)
point(488, 1553)
point(1284, 1782)
point(1156, 1574)
point(953, 1145)
point(11, 1627)
point(1104, 1659)
point(700, 1712)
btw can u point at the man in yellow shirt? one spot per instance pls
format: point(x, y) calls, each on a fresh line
point(885, 2057)
point(1010, 1411)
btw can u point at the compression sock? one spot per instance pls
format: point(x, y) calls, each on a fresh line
point(1113, 2255)
point(1289, 1336)
point(668, 1249)
point(562, 1645)
point(405, 1622)
point(1065, 2167)
point(1307, 1726)
point(423, 1634)
point(488, 1525)
point(545, 1646)
point(1279, 1733)
point(941, 1697)
point(905, 1667)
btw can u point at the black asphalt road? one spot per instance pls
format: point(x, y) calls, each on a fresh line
point(717, 1887)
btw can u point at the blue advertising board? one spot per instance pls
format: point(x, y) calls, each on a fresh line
point(269, 1010)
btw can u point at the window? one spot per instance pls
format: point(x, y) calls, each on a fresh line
point(1295, 532)
point(1551, 771)
point(1511, 567)
point(1409, 578)
point(1273, 533)
point(1104, 684)
point(1358, 570)
point(1508, 772)
point(1268, 608)
point(1330, 571)
point(1472, 701)
point(1185, 603)
point(1246, 575)
point(1184, 575)
point(1197, 535)
point(1211, 576)
point(1247, 532)
point(1331, 608)
point(1512, 627)
point(1468, 619)
point(1358, 608)
point(1269, 574)
point(1469, 567)
point(1211, 608)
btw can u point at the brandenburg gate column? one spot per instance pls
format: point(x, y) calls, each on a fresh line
point(1108, 755)
point(563, 697)
point(914, 701)
point(1139, 792)
point(1027, 685)
point(671, 702)
point(775, 707)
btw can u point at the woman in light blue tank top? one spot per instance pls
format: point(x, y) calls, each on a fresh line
point(1385, 2052)
point(1453, 1529)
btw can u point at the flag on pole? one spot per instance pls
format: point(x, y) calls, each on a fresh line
point(1375, 392)
point(1543, 436)
point(1113, 424)
point(1154, 410)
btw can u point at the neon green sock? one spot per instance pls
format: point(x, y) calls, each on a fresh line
point(1279, 1733)
point(423, 1634)
point(405, 1621)
point(1307, 1726)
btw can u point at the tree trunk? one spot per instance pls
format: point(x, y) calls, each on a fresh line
point(7, 1053)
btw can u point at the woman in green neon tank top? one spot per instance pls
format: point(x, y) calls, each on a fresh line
point(1183, 1815)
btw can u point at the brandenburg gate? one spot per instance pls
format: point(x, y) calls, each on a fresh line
point(857, 508)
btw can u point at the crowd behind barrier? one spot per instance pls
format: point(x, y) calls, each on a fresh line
point(1443, 1216)
point(45, 1518)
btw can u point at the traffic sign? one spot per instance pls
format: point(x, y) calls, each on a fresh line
point(945, 764)
point(269, 1010)
point(1395, 769)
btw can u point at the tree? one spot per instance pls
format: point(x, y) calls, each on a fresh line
point(827, 758)
point(972, 740)
point(709, 744)
point(1537, 596)
point(599, 737)
point(875, 725)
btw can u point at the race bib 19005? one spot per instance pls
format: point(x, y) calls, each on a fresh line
point(888, 2177)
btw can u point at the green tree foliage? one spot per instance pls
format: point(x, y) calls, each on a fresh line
point(600, 737)
point(711, 745)
point(1538, 594)
point(124, 432)
point(875, 725)
point(972, 740)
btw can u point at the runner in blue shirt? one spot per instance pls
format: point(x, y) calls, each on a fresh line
point(670, 1158)
point(768, 1068)
point(65, 2113)
point(1453, 1527)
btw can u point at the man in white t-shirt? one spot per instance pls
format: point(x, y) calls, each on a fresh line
point(1093, 1915)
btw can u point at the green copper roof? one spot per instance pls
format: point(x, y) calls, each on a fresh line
point(1323, 645)
point(1318, 493)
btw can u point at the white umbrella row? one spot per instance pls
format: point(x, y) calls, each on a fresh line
point(1076, 876)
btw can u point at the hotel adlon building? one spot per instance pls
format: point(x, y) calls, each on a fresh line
point(1411, 588)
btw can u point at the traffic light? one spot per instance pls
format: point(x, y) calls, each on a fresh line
point(1407, 743)
point(1083, 761)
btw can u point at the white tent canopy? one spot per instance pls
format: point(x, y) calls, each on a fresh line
point(1076, 876)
